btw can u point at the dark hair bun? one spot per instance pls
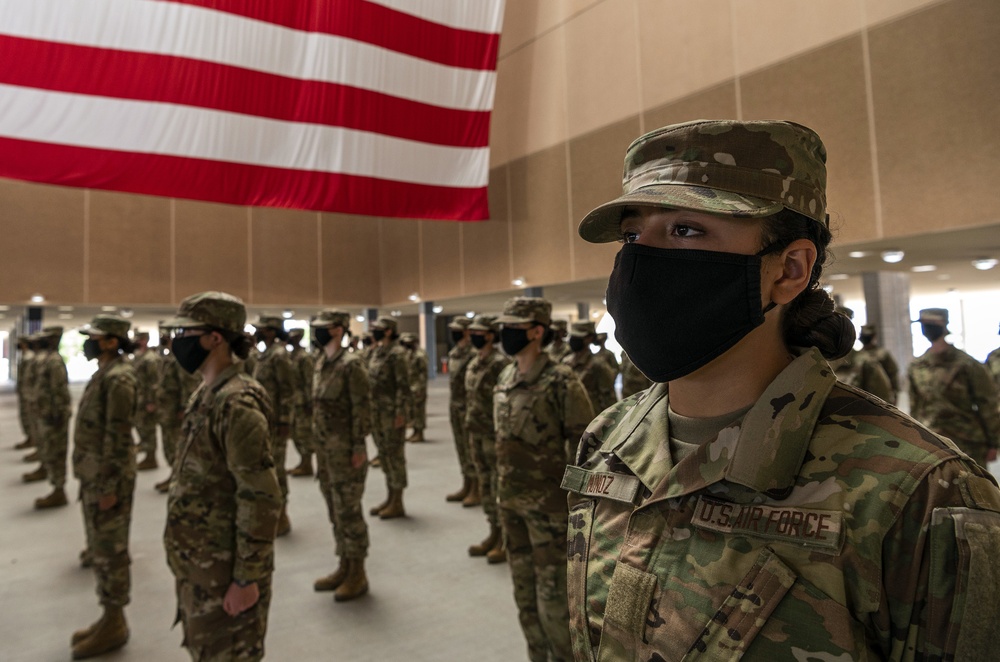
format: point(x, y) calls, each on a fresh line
point(812, 320)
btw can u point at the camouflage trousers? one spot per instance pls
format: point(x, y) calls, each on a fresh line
point(145, 425)
point(536, 550)
point(279, 450)
point(107, 541)
point(391, 450)
point(457, 412)
point(342, 487)
point(302, 433)
point(483, 448)
point(212, 635)
point(418, 413)
point(53, 441)
point(24, 415)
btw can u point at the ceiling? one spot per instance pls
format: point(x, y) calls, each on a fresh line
point(950, 253)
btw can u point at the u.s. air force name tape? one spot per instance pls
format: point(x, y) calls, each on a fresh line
point(600, 484)
point(816, 529)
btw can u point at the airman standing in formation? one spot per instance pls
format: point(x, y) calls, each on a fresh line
point(993, 363)
point(302, 368)
point(390, 383)
point(605, 353)
point(274, 371)
point(952, 393)
point(540, 409)
point(481, 377)
point(147, 372)
point(862, 370)
point(595, 374)
point(458, 361)
point(342, 416)
point(871, 348)
point(52, 415)
point(176, 387)
point(418, 385)
point(104, 463)
point(633, 380)
point(225, 500)
point(30, 399)
point(24, 361)
point(558, 349)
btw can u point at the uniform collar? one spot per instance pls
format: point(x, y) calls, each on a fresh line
point(536, 369)
point(763, 453)
point(227, 374)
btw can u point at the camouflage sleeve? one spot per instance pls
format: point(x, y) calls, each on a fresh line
point(170, 385)
point(116, 445)
point(985, 402)
point(576, 407)
point(420, 372)
point(361, 404)
point(62, 401)
point(402, 375)
point(891, 370)
point(875, 381)
point(940, 559)
point(146, 374)
point(287, 388)
point(245, 434)
point(916, 403)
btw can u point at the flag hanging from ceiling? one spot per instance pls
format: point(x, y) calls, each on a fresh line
point(375, 107)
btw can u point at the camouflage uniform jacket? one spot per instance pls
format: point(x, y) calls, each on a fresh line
point(147, 374)
point(103, 449)
point(825, 525)
point(481, 377)
point(224, 499)
point(888, 364)
point(303, 363)
point(390, 379)
point(633, 380)
point(274, 372)
point(24, 362)
point(954, 395)
point(52, 388)
point(537, 415)
point(175, 389)
point(418, 372)
point(341, 399)
point(993, 363)
point(596, 377)
point(864, 372)
point(458, 361)
point(558, 350)
point(609, 357)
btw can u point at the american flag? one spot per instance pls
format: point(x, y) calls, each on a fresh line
point(375, 107)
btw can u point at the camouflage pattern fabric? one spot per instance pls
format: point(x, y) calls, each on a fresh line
point(222, 514)
point(52, 413)
point(608, 357)
point(458, 362)
point(823, 525)
point(26, 361)
point(536, 415)
point(389, 371)
point(342, 414)
point(302, 366)
point(481, 377)
point(104, 463)
point(558, 350)
point(418, 388)
point(273, 370)
point(175, 389)
point(954, 395)
point(596, 376)
point(147, 373)
point(993, 364)
point(633, 380)
point(863, 371)
point(888, 364)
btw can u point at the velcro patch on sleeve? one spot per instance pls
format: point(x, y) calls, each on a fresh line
point(821, 530)
point(600, 484)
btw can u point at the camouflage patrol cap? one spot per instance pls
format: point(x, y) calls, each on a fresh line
point(332, 317)
point(296, 334)
point(107, 325)
point(521, 310)
point(870, 329)
point(388, 323)
point(50, 332)
point(485, 323)
point(559, 325)
point(740, 169)
point(582, 329)
point(459, 323)
point(937, 316)
point(407, 338)
point(270, 322)
point(215, 309)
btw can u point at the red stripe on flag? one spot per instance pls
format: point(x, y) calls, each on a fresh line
point(235, 183)
point(371, 23)
point(69, 68)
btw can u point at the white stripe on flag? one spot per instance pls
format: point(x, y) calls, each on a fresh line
point(476, 15)
point(169, 28)
point(168, 129)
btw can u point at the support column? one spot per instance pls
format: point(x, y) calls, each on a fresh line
point(32, 321)
point(887, 305)
point(533, 292)
point(428, 336)
point(583, 311)
point(371, 314)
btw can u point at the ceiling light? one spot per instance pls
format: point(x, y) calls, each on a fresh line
point(838, 277)
point(470, 314)
point(287, 314)
point(438, 310)
point(923, 268)
point(893, 256)
point(4, 308)
point(984, 263)
point(360, 318)
point(37, 298)
point(127, 313)
point(396, 313)
point(414, 297)
point(108, 309)
point(858, 254)
point(518, 282)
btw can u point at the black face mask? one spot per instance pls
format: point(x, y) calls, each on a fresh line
point(576, 343)
point(189, 352)
point(865, 338)
point(322, 336)
point(456, 336)
point(367, 342)
point(513, 340)
point(478, 341)
point(378, 334)
point(677, 309)
point(932, 331)
point(91, 349)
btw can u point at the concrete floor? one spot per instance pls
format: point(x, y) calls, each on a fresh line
point(429, 600)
